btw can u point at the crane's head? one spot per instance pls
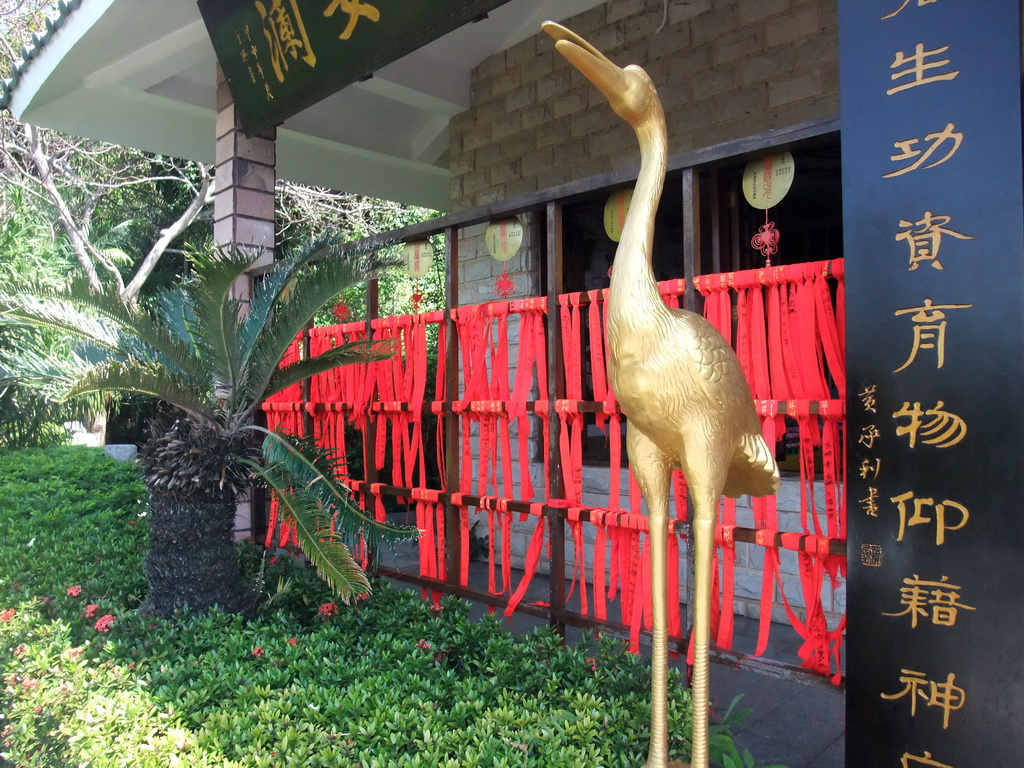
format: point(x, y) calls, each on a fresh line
point(629, 90)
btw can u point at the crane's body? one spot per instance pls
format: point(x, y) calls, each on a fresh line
point(687, 402)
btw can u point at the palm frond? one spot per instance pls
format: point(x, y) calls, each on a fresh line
point(216, 314)
point(309, 291)
point(307, 465)
point(331, 558)
point(347, 354)
point(156, 381)
point(102, 318)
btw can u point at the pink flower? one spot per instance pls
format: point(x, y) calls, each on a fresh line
point(292, 641)
point(274, 559)
point(104, 623)
point(20, 650)
point(90, 610)
point(591, 663)
point(363, 596)
point(7, 614)
point(74, 591)
point(424, 645)
point(327, 610)
point(258, 652)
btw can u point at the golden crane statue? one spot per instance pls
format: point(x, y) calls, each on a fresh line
point(679, 383)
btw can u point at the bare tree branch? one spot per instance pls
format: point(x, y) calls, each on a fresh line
point(203, 198)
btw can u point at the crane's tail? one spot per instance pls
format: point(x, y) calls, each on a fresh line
point(753, 469)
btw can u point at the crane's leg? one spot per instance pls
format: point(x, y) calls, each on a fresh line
point(705, 481)
point(653, 471)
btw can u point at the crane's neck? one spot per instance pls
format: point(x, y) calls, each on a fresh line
point(633, 295)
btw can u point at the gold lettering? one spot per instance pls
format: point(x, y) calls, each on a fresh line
point(925, 760)
point(925, 241)
point(870, 503)
point(355, 9)
point(929, 329)
point(918, 67)
point(908, 152)
point(946, 696)
point(286, 35)
point(917, 515)
point(867, 397)
point(942, 430)
point(938, 599)
point(905, 4)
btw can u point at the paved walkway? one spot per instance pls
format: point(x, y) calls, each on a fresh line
point(792, 724)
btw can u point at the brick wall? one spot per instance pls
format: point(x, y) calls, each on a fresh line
point(725, 69)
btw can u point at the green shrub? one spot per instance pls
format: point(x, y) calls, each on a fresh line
point(386, 682)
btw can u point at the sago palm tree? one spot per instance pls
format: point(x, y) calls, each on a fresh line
point(194, 348)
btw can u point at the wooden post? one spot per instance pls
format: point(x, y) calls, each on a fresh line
point(556, 389)
point(453, 533)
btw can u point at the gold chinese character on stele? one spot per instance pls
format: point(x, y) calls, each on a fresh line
point(905, 4)
point(937, 601)
point(947, 696)
point(919, 70)
point(924, 237)
point(942, 429)
point(929, 329)
point(916, 511)
point(908, 151)
point(913, 761)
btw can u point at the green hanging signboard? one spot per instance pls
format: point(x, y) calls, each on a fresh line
point(281, 56)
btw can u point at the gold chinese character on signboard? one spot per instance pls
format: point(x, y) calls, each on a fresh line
point(918, 517)
point(286, 35)
point(918, 68)
point(905, 4)
point(869, 468)
point(867, 397)
point(870, 502)
point(942, 430)
point(938, 600)
point(924, 241)
point(925, 760)
point(946, 695)
point(907, 151)
point(355, 9)
point(868, 435)
point(929, 329)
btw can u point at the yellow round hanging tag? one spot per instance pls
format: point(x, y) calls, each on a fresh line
point(767, 180)
point(615, 213)
point(504, 238)
point(418, 258)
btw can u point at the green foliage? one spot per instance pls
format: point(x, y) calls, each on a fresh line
point(385, 682)
point(193, 348)
point(328, 523)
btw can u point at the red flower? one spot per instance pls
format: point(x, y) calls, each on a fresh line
point(273, 560)
point(591, 663)
point(258, 652)
point(424, 645)
point(74, 591)
point(104, 623)
point(7, 615)
point(90, 610)
point(327, 610)
point(292, 641)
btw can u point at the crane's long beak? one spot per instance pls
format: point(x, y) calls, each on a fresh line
point(610, 79)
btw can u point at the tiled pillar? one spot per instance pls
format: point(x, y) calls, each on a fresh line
point(243, 213)
point(243, 204)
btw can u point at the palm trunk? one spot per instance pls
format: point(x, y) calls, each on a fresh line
point(192, 559)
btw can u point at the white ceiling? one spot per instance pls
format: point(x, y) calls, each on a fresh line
point(141, 73)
